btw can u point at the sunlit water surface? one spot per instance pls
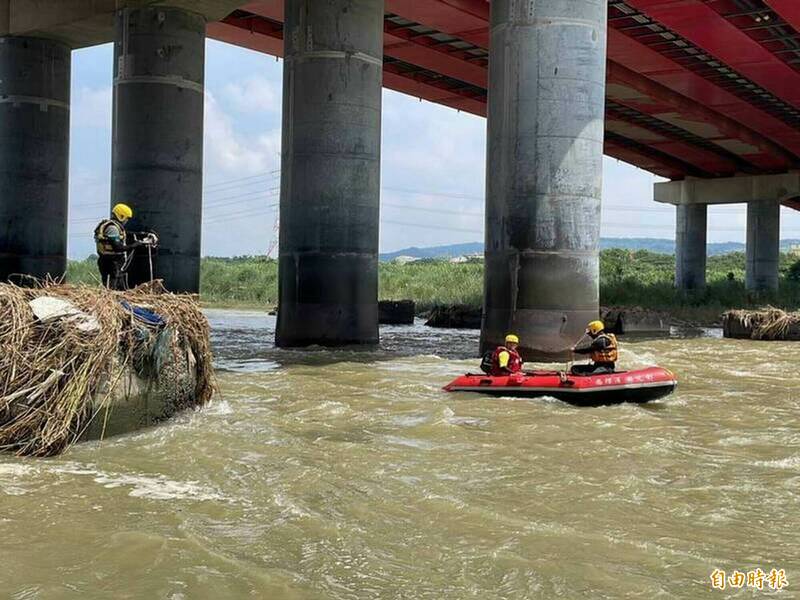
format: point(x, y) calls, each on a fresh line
point(352, 475)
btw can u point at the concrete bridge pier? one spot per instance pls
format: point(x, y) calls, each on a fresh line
point(544, 172)
point(691, 247)
point(34, 156)
point(763, 245)
point(330, 185)
point(763, 194)
point(157, 166)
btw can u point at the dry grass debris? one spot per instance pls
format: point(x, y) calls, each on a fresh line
point(55, 379)
point(766, 324)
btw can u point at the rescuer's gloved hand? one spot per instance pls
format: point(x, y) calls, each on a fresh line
point(151, 239)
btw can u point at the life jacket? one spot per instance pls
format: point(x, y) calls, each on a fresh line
point(609, 354)
point(514, 362)
point(102, 241)
point(487, 362)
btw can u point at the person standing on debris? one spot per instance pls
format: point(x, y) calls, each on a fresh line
point(112, 244)
point(603, 349)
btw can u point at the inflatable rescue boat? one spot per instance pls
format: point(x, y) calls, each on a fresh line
point(637, 386)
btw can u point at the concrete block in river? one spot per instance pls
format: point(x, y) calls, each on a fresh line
point(635, 320)
point(455, 317)
point(142, 398)
point(396, 312)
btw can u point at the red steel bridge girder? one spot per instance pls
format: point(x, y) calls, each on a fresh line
point(789, 10)
point(693, 19)
point(738, 123)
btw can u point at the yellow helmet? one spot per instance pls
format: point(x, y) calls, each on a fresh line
point(123, 212)
point(595, 327)
point(512, 339)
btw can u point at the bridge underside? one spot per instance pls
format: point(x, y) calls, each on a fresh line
point(672, 107)
point(691, 90)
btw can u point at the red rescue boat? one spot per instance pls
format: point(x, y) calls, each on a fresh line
point(638, 386)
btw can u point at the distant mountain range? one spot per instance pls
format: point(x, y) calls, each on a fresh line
point(652, 244)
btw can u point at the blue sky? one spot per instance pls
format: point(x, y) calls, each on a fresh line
point(433, 166)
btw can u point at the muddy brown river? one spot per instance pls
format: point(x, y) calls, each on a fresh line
point(350, 475)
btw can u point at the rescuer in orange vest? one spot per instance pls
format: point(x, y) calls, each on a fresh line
point(603, 349)
point(505, 359)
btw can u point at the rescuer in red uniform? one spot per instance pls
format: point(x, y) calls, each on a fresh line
point(505, 359)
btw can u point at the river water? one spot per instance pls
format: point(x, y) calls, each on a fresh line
point(351, 475)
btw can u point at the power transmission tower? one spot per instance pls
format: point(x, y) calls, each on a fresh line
point(275, 235)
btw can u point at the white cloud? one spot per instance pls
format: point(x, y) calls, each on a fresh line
point(89, 193)
point(244, 161)
point(428, 149)
point(431, 146)
point(92, 107)
point(229, 153)
point(253, 95)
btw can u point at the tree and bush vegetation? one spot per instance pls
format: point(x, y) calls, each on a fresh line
point(627, 278)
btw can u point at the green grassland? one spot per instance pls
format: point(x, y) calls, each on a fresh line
point(627, 278)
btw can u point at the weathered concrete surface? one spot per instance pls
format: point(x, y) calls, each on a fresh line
point(763, 245)
point(782, 188)
point(623, 321)
point(157, 166)
point(134, 401)
point(691, 247)
point(455, 317)
point(330, 184)
point(544, 172)
point(396, 312)
point(5, 17)
point(80, 23)
point(34, 156)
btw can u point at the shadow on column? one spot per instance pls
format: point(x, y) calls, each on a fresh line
point(544, 173)
point(34, 157)
point(763, 245)
point(330, 187)
point(159, 62)
point(691, 248)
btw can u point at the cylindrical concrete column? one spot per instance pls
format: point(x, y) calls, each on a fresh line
point(330, 186)
point(544, 172)
point(690, 247)
point(34, 156)
point(763, 245)
point(159, 73)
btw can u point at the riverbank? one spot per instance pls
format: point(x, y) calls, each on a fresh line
point(628, 279)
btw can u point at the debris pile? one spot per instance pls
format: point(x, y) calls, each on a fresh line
point(766, 324)
point(70, 354)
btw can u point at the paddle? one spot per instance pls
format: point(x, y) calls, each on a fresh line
point(568, 367)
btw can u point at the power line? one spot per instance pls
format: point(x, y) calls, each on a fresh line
point(262, 195)
point(241, 186)
point(221, 188)
point(436, 227)
point(224, 183)
point(431, 210)
point(246, 214)
point(436, 194)
point(270, 193)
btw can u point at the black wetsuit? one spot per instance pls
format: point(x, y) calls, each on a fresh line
point(599, 344)
point(112, 254)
